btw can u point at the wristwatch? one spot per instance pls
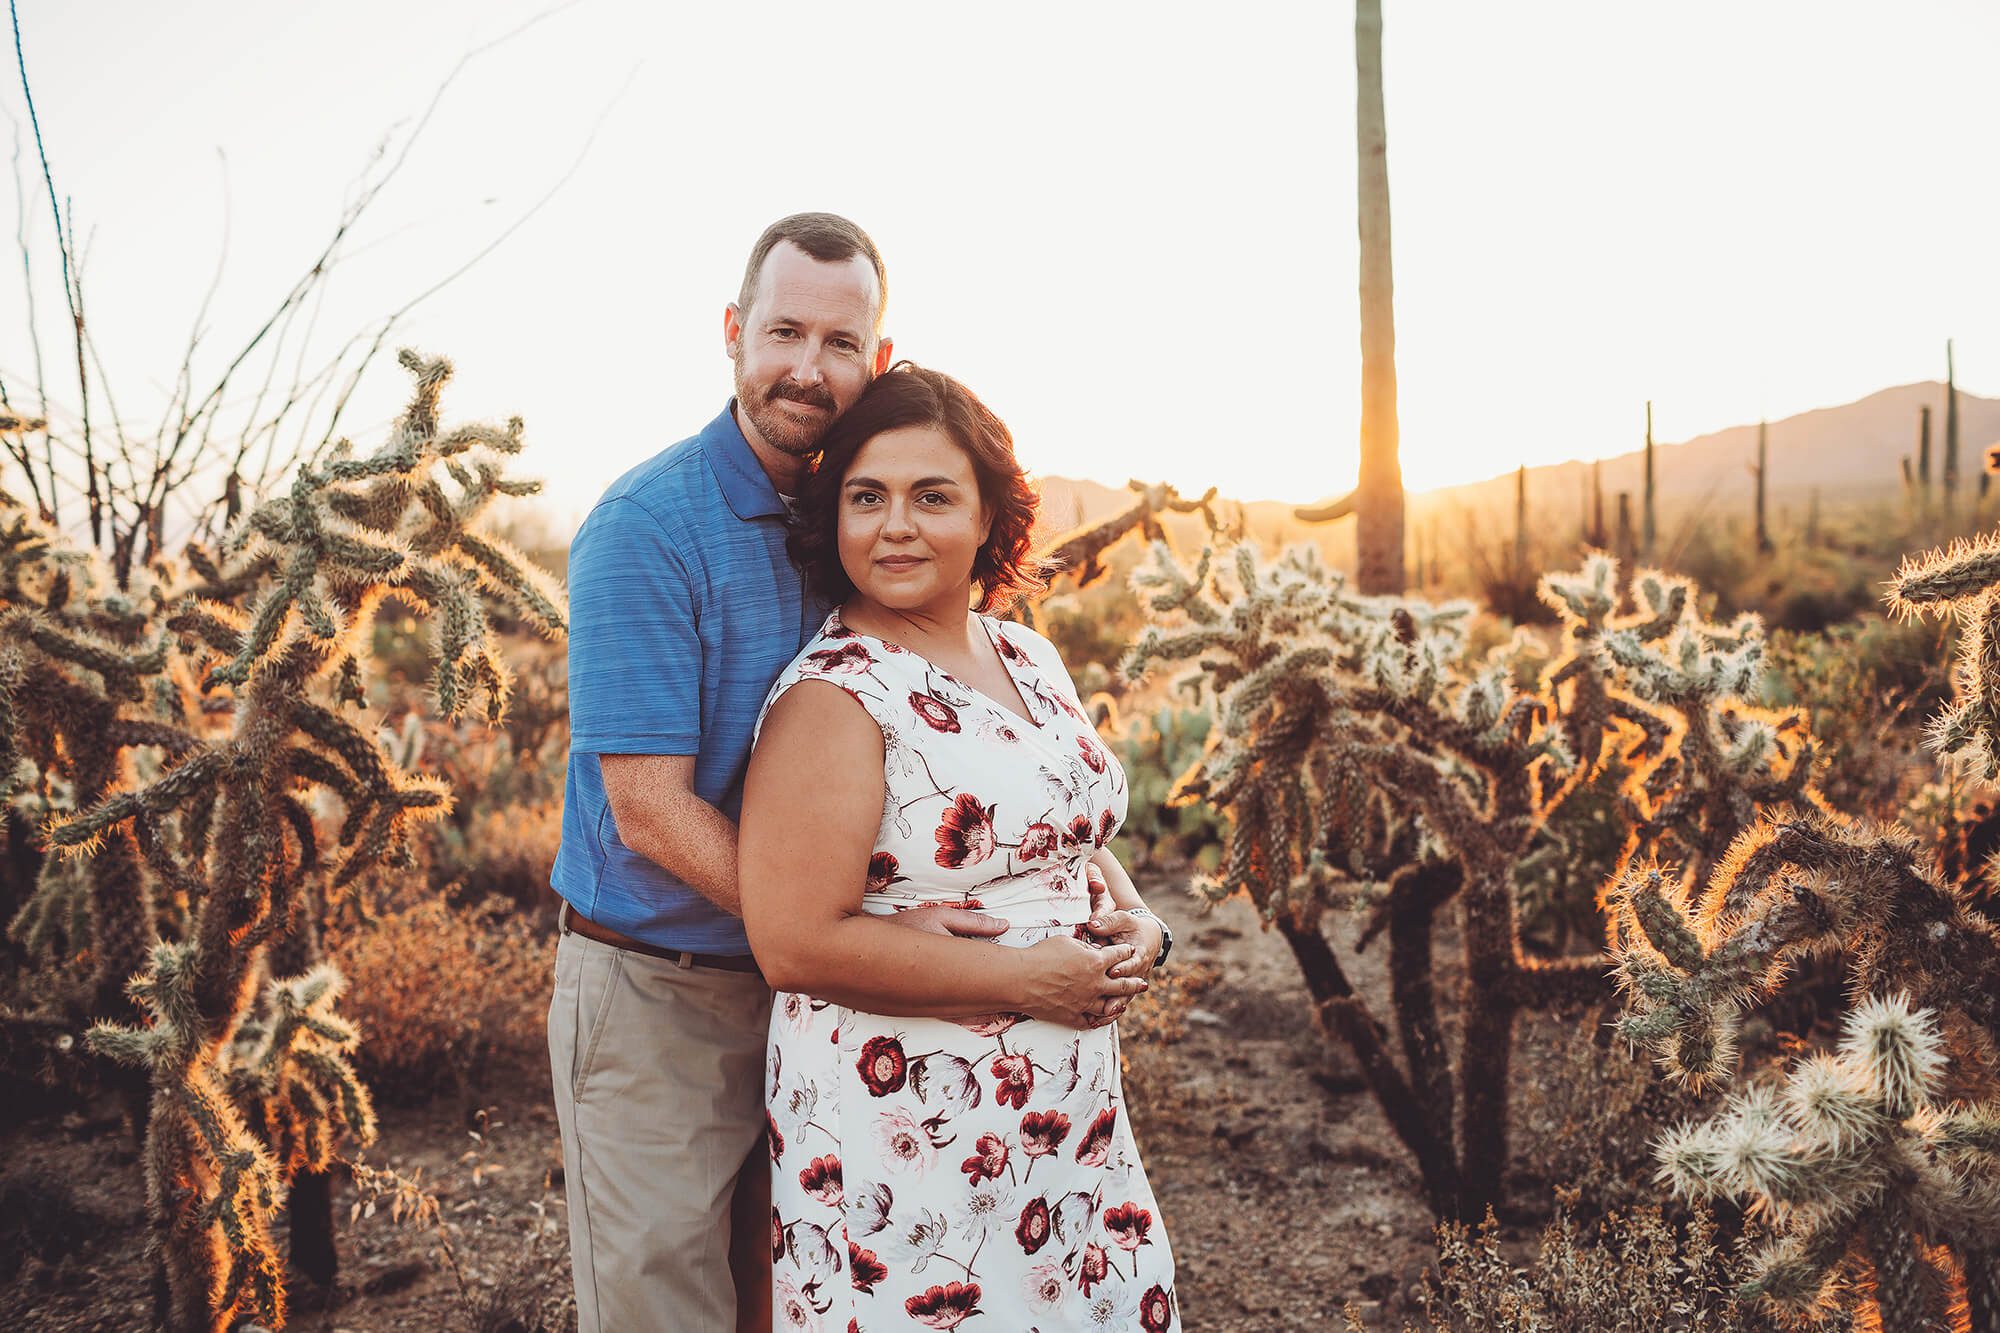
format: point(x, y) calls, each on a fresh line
point(1166, 934)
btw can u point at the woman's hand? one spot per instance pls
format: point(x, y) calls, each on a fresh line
point(1070, 982)
point(1118, 926)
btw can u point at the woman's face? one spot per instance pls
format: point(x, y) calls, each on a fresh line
point(911, 522)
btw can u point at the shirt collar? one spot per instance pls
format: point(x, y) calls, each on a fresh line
point(744, 484)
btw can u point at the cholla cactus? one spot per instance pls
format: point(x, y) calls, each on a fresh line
point(1858, 1153)
point(1362, 759)
point(205, 812)
point(1808, 884)
point(1862, 1160)
point(1706, 761)
point(1079, 553)
point(1962, 580)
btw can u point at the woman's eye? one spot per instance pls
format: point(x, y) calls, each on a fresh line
point(935, 498)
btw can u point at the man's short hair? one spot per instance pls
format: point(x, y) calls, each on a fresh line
point(827, 237)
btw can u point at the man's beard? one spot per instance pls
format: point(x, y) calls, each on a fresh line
point(783, 432)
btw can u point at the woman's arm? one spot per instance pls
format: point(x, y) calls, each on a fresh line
point(812, 803)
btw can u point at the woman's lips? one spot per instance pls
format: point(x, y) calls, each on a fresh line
point(900, 562)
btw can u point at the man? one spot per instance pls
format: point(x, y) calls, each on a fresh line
point(683, 610)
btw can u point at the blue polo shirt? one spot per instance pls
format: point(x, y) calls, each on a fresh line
point(683, 609)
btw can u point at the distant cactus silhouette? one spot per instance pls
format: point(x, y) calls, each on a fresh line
point(203, 863)
point(1650, 531)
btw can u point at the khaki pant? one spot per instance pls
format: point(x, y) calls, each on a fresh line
point(658, 1074)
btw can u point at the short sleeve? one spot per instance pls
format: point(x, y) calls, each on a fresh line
point(846, 663)
point(635, 656)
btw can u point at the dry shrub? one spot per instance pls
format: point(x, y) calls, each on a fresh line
point(1590, 1115)
point(1155, 1020)
point(1636, 1272)
point(441, 993)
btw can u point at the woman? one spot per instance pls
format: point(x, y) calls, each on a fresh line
point(972, 1156)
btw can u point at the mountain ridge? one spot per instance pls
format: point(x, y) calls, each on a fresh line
point(1847, 451)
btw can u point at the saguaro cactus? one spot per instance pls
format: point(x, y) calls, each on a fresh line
point(249, 1076)
point(1649, 531)
point(1763, 471)
point(1950, 427)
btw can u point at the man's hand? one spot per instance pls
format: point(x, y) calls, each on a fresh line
point(940, 919)
point(1070, 981)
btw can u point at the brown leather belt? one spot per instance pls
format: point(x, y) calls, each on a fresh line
point(571, 921)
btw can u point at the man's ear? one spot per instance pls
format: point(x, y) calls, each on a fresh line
point(885, 354)
point(732, 328)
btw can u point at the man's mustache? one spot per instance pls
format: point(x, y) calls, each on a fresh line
point(799, 393)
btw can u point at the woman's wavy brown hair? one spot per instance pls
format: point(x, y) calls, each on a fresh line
point(908, 395)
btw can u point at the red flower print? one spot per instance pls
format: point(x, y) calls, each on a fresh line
point(936, 713)
point(1069, 707)
point(945, 1307)
point(882, 1065)
point(772, 1137)
point(1038, 841)
point(1128, 1224)
point(1078, 831)
point(882, 872)
point(864, 1270)
point(965, 834)
point(1016, 1080)
point(1010, 650)
point(1095, 1145)
point(1042, 1132)
point(990, 1025)
point(1095, 1265)
point(847, 660)
point(1107, 824)
point(1033, 1228)
point(988, 1162)
point(1156, 1311)
point(821, 1179)
point(1092, 755)
point(777, 1236)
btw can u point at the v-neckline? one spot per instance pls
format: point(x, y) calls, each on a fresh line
point(1025, 713)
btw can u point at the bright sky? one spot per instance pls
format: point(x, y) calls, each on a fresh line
point(1129, 227)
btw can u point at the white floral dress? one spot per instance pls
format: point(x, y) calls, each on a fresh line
point(926, 1171)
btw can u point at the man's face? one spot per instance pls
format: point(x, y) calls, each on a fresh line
point(806, 347)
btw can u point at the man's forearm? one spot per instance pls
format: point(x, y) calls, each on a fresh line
point(692, 841)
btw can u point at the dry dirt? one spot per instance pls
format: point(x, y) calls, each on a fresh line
point(1283, 1190)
